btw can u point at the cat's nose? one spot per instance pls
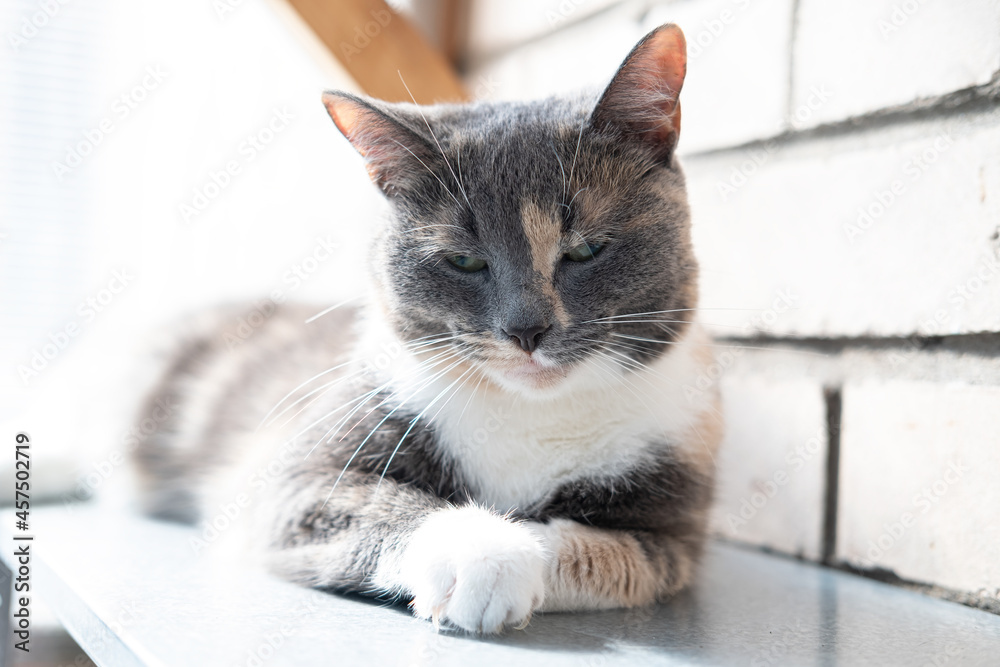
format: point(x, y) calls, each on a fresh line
point(528, 338)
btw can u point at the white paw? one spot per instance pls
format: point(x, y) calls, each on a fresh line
point(475, 570)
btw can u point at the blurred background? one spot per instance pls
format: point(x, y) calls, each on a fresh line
point(157, 158)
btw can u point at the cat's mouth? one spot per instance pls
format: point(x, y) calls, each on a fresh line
point(534, 372)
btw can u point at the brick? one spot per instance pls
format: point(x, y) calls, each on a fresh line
point(583, 56)
point(496, 26)
point(922, 258)
point(771, 466)
point(884, 53)
point(738, 63)
point(918, 482)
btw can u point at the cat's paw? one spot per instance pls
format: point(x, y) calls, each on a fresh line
point(474, 570)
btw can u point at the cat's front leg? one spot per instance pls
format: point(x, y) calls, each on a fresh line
point(463, 566)
point(469, 567)
point(600, 568)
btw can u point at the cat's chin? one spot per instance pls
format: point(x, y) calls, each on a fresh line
point(534, 376)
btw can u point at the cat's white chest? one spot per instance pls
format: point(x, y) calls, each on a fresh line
point(514, 454)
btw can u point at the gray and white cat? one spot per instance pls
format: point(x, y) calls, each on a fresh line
point(528, 446)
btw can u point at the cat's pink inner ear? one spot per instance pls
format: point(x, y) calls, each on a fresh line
point(360, 125)
point(642, 99)
point(346, 115)
point(662, 65)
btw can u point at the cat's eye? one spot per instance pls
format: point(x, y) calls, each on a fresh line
point(584, 252)
point(466, 263)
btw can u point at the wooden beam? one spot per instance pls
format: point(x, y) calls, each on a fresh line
point(376, 45)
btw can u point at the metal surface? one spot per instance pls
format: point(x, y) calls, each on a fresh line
point(133, 591)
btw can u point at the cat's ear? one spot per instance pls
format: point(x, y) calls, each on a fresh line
point(392, 150)
point(641, 102)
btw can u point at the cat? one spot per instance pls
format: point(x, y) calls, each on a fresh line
point(504, 429)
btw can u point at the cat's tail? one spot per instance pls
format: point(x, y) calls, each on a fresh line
point(227, 370)
point(169, 428)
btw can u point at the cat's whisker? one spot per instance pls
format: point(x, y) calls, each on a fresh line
point(423, 227)
point(473, 368)
point(649, 369)
point(576, 153)
point(292, 392)
point(624, 346)
point(624, 321)
point(458, 160)
point(366, 396)
point(482, 376)
point(721, 345)
point(306, 406)
point(446, 188)
point(379, 425)
point(331, 309)
point(434, 136)
point(413, 422)
point(416, 345)
point(427, 364)
point(349, 402)
point(563, 170)
point(638, 372)
point(420, 367)
point(575, 196)
point(658, 312)
point(322, 388)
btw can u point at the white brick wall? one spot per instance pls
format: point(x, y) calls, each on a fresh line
point(919, 490)
point(885, 53)
point(498, 25)
point(772, 465)
point(582, 55)
point(791, 218)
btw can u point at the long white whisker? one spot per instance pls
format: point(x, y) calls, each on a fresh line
point(331, 309)
point(292, 392)
point(434, 136)
point(576, 153)
point(413, 422)
point(447, 189)
point(377, 426)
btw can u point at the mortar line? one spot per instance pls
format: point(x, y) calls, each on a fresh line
point(833, 397)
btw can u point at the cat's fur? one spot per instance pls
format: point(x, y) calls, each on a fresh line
point(439, 461)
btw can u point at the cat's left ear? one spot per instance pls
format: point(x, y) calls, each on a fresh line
point(641, 102)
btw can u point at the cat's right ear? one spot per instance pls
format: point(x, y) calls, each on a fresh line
point(392, 151)
point(641, 103)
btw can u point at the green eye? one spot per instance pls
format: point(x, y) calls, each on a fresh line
point(466, 263)
point(584, 252)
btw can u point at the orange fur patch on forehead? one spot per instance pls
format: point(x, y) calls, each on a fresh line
point(544, 233)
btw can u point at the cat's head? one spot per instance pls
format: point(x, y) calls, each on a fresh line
point(541, 240)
